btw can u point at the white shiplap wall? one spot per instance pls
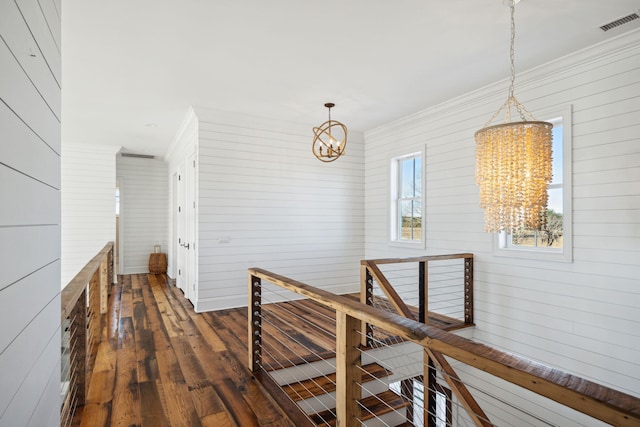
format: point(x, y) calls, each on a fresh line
point(144, 196)
point(583, 316)
point(266, 201)
point(30, 213)
point(88, 203)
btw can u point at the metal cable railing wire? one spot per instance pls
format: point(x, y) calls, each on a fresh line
point(283, 361)
point(300, 397)
point(67, 390)
point(286, 358)
point(446, 288)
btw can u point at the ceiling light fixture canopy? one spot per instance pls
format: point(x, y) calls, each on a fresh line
point(513, 164)
point(330, 138)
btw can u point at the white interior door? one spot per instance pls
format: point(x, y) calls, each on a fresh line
point(190, 213)
point(173, 244)
point(181, 229)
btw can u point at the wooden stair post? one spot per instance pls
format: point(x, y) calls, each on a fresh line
point(348, 373)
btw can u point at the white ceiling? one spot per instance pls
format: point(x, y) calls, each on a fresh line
point(128, 64)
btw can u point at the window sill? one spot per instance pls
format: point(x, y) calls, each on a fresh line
point(555, 255)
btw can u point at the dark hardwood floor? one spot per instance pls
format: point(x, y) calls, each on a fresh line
point(161, 364)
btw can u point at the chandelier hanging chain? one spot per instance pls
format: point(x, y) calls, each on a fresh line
point(511, 101)
point(512, 50)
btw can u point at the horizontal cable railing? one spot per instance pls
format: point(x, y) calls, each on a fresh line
point(441, 278)
point(505, 389)
point(296, 351)
point(83, 304)
point(439, 287)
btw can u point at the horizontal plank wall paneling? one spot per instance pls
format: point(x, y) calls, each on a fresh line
point(39, 246)
point(25, 151)
point(144, 196)
point(30, 214)
point(19, 40)
point(266, 201)
point(583, 316)
point(33, 202)
point(88, 204)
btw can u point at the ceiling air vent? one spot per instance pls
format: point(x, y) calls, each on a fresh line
point(139, 156)
point(618, 22)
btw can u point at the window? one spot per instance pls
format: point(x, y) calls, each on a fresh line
point(412, 390)
point(407, 199)
point(553, 241)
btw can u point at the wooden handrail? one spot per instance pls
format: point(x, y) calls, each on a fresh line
point(425, 258)
point(78, 284)
point(598, 401)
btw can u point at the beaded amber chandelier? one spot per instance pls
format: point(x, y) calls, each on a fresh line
point(513, 164)
point(330, 138)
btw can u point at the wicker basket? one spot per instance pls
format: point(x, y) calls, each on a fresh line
point(158, 263)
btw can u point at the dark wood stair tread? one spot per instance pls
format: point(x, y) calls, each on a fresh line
point(377, 405)
point(326, 383)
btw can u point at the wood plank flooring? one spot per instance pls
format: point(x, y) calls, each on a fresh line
point(161, 364)
point(300, 331)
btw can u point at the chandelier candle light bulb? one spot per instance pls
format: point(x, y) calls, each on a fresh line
point(513, 164)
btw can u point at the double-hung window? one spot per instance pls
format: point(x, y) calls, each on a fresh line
point(553, 240)
point(407, 202)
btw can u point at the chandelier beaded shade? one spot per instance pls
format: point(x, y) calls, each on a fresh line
point(330, 138)
point(513, 165)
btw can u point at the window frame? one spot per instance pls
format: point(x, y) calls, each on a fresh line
point(393, 180)
point(501, 247)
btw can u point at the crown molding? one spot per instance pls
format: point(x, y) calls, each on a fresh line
point(607, 50)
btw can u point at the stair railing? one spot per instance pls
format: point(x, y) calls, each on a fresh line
point(439, 286)
point(83, 305)
point(432, 359)
point(594, 400)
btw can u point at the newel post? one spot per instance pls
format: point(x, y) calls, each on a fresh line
point(423, 292)
point(95, 314)
point(254, 312)
point(104, 284)
point(348, 372)
point(110, 266)
point(468, 290)
point(366, 298)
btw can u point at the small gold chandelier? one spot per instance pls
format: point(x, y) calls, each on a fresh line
point(513, 165)
point(330, 138)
